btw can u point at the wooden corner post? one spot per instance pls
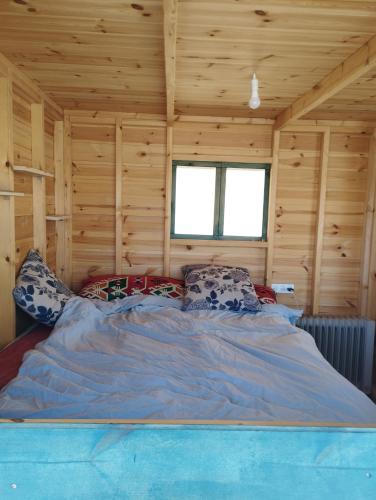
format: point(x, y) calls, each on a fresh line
point(168, 188)
point(170, 16)
point(118, 196)
point(320, 225)
point(59, 196)
point(67, 160)
point(271, 209)
point(7, 216)
point(39, 182)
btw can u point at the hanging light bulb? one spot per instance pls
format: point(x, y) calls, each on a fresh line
point(254, 101)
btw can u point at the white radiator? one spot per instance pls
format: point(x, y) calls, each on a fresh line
point(347, 343)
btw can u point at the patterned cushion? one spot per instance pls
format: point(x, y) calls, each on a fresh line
point(219, 287)
point(39, 292)
point(117, 286)
point(265, 294)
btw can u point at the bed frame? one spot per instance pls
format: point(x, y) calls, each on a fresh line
point(133, 459)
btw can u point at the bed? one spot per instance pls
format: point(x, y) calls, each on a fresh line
point(11, 356)
point(143, 358)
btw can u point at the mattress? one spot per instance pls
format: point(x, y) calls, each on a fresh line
point(142, 357)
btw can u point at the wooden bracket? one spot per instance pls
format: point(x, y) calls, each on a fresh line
point(32, 171)
point(10, 193)
point(57, 218)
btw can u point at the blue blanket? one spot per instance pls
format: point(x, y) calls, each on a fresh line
point(142, 357)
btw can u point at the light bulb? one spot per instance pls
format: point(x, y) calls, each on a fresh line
point(254, 101)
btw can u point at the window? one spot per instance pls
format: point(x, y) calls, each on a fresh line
point(214, 200)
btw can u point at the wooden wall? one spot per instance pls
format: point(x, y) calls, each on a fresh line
point(222, 142)
point(99, 201)
point(24, 182)
point(27, 182)
point(319, 210)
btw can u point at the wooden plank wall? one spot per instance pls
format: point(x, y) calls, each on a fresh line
point(20, 228)
point(93, 193)
point(24, 182)
point(344, 222)
point(295, 255)
point(369, 237)
point(144, 161)
point(296, 214)
point(223, 142)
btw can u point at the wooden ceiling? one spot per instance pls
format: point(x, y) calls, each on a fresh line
point(97, 54)
point(89, 54)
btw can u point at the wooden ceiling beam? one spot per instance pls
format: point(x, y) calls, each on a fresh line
point(170, 11)
point(350, 70)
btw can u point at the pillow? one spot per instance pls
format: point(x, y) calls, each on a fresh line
point(39, 292)
point(219, 287)
point(118, 286)
point(281, 310)
point(265, 294)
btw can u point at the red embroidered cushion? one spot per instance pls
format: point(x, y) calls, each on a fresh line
point(118, 286)
point(265, 294)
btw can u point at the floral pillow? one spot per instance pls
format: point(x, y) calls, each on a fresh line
point(39, 292)
point(219, 287)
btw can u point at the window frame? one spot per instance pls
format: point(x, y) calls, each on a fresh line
point(219, 203)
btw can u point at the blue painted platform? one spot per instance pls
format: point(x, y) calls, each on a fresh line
point(123, 461)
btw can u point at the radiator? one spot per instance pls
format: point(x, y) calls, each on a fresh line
point(347, 343)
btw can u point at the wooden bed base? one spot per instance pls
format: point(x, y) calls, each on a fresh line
point(134, 459)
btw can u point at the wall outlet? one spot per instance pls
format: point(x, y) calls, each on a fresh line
point(283, 287)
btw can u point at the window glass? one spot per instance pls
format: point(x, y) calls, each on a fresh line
point(217, 200)
point(195, 200)
point(244, 202)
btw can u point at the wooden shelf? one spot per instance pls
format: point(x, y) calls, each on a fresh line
point(32, 171)
point(57, 217)
point(10, 193)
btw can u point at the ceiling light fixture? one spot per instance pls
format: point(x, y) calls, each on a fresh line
point(254, 101)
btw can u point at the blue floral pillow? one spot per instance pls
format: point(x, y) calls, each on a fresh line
point(39, 292)
point(219, 287)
